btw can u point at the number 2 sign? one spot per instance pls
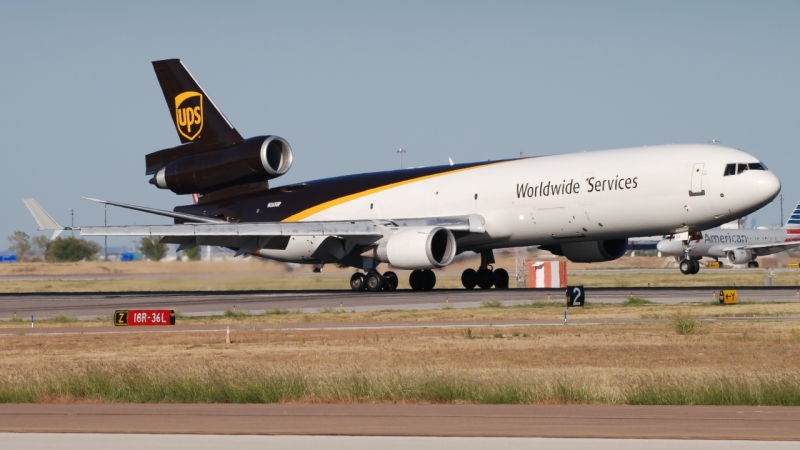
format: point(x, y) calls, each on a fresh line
point(576, 296)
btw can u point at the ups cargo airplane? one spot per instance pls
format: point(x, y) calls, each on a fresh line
point(583, 206)
point(738, 246)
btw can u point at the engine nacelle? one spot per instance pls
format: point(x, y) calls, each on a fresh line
point(739, 256)
point(256, 159)
point(419, 248)
point(590, 251)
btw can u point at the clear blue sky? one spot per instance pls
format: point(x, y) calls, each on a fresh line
point(347, 83)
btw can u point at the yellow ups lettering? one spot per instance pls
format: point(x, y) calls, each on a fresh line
point(189, 112)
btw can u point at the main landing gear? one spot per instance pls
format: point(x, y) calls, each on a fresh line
point(485, 277)
point(752, 265)
point(373, 281)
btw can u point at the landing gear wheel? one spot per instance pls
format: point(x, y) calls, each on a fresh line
point(469, 278)
point(357, 282)
point(753, 264)
point(686, 266)
point(500, 279)
point(484, 278)
point(415, 280)
point(696, 267)
point(390, 281)
point(428, 279)
point(374, 281)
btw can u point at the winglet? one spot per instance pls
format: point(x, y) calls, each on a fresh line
point(45, 221)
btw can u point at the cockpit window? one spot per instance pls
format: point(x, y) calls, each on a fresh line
point(736, 169)
point(730, 169)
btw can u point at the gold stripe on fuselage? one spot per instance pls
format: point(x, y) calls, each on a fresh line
point(338, 201)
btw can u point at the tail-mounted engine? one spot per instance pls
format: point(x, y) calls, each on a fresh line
point(185, 171)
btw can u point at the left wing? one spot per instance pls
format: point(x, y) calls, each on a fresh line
point(251, 236)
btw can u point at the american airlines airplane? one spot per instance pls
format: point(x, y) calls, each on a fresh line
point(583, 206)
point(738, 246)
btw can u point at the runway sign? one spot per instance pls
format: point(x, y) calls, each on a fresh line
point(728, 297)
point(143, 317)
point(714, 265)
point(576, 296)
point(793, 266)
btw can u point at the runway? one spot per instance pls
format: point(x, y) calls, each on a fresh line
point(553, 421)
point(91, 305)
point(95, 441)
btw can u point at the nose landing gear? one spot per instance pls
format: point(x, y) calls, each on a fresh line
point(689, 266)
point(485, 277)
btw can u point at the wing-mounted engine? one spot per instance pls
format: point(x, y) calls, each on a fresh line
point(185, 171)
point(739, 256)
point(418, 248)
point(590, 251)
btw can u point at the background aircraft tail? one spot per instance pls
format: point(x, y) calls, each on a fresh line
point(794, 218)
point(201, 126)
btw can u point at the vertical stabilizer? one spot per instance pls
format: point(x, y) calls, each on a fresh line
point(794, 218)
point(196, 118)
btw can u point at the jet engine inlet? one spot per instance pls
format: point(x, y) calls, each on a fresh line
point(739, 256)
point(419, 248)
point(254, 160)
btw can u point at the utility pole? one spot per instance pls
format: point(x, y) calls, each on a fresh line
point(401, 151)
point(105, 223)
point(781, 209)
point(72, 221)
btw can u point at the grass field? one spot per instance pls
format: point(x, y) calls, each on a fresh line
point(678, 360)
point(252, 274)
point(341, 281)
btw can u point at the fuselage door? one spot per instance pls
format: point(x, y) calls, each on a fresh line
point(697, 180)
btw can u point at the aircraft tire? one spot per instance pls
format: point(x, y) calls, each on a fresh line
point(390, 281)
point(469, 279)
point(753, 264)
point(484, 278)
point(415, 280)
point(500, 279)
point(686, 266)
point(428, 279)
point(374, 281)
point(357, 282)
point(695, 266)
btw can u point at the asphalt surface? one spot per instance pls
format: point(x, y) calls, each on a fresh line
point(247, 442)
point(559, 421)
point(89, 305)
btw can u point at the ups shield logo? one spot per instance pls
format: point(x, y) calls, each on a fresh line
point(189, 114)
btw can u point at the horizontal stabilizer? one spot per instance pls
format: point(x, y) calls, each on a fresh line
point(43, 219)
point(158, 212)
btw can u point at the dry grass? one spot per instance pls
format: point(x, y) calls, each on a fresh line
point(723, 363)
point(255, 274)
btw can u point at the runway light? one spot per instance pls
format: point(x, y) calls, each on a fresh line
point(228, 335)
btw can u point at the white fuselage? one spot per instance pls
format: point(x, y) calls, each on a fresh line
point(713, 243)
point(591, 196)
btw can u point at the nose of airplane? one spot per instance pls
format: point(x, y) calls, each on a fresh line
point(667, 246)
point(768, 185)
